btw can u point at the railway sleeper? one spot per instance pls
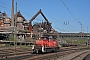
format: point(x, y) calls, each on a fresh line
point(3, 57)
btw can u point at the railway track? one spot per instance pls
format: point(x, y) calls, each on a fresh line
point(53, 56)
point(8, 53)
point(25, 54)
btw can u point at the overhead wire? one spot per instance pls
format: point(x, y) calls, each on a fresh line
point(29, 14)
point(29, 4)
point(37, 9)
point(72, 14)
point(6, 8)
point(10, 9)
point(4, 4)
point(49, 16)
point(69, 10)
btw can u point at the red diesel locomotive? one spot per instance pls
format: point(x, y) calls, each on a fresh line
point(45, 44)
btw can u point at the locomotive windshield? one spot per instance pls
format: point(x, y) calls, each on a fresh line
point(42, 38)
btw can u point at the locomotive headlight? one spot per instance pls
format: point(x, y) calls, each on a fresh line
point(33, 47)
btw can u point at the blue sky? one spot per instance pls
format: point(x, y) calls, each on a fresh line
point(62, 20)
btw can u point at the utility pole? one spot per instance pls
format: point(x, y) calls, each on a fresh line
point(15, 30)
point(40, 30)
point(12, 21)
point(87, 37)
point(13, 25)
point(81, 31)
point(87, 29)
point(81, 28)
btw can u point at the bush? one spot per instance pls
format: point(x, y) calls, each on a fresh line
point(11, 37)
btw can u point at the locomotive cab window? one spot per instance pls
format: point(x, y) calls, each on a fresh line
point(44, 38)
